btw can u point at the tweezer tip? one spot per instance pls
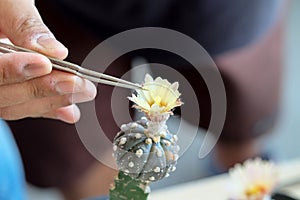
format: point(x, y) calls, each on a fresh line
point(140, 87)
point(143, 88)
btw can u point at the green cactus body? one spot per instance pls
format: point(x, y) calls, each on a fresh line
point(128, 188)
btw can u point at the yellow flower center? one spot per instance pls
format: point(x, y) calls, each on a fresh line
point(256, 190)
point(157, 100)
point(159, 94)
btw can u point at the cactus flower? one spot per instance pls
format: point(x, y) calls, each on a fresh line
point(158, 98)
point(253, 180)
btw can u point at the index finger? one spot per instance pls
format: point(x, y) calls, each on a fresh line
point(20, 66)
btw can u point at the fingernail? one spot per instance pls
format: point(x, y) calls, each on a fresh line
point(88, 94)
point(34, 70)
point(79, 98)
point(48, 42)
point(68, 87)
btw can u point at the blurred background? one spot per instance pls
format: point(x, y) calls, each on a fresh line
point(286, 136)
point(282, 144)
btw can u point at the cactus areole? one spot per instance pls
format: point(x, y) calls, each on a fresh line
point(145, 151)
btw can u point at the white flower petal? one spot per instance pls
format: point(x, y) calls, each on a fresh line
point(175, 86)
point(148, 78)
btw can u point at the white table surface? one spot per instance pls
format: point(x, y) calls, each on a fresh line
point(214, 188)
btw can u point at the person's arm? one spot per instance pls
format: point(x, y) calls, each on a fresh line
point(28, 86)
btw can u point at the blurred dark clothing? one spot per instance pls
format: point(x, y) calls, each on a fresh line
point(52, 151)
point(217, 25)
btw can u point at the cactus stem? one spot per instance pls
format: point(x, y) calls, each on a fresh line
point(127, 188)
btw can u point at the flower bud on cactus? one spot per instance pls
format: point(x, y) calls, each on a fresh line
point(145, 150)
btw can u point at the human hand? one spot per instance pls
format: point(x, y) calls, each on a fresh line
point(28, 85)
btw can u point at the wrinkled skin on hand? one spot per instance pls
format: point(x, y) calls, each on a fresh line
point(28, 85)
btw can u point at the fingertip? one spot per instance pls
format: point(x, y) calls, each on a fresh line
point(38, 65)
point(69, 114)
point(88, 92)
point(48, 45)
point(47, 64)
point(91, 89)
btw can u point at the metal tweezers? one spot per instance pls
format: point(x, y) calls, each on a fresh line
point(93, 76)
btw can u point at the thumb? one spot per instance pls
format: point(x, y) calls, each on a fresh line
point(22, 24)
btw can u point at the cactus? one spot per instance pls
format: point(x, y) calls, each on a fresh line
point(145, 151)
point(128, 188)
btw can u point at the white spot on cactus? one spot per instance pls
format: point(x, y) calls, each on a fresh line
point(167, 143)
point(133, 125)
point(156, 139)
point(144, 118)
point(173, 169)
point(112, 186)
point(156, 169)
point(139, 153)
point(124, 127)
point(163, 134)
point(130, 164)
point(147, 189)
point(123, 140)
point(138, 136)
point(152, 178)
point(176, 157)
point(148, 141)
point(115, 147)
point(175, 138)
point(159, 153)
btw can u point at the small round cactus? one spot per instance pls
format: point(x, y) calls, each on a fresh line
point(145, 150)
point(143, 156)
